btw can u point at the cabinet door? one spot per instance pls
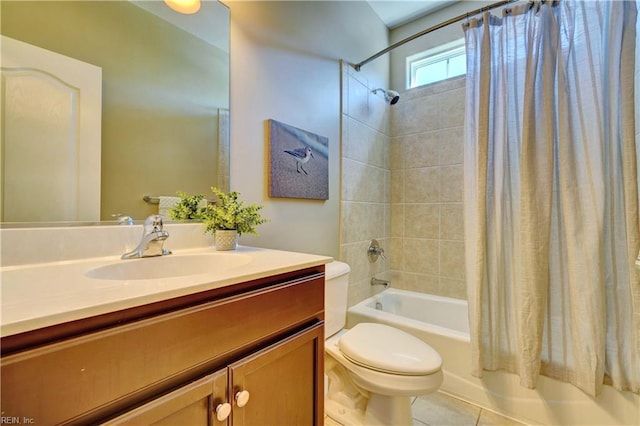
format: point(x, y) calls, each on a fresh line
point(193, 404)
point(284, 382)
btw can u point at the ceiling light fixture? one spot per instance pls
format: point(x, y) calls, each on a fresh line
point(184, 6)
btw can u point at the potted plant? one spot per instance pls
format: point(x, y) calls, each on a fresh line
point(226, 219)
point(188, 208)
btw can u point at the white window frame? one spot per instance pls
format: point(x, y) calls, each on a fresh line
point(441, 53)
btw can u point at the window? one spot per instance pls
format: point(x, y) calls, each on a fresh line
point(440, 63)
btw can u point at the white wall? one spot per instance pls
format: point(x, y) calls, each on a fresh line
point(637, 100)
point(285, 65)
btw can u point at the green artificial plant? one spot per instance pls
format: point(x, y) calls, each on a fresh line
point(188, 208)
point(230, 213)
point(227, 213)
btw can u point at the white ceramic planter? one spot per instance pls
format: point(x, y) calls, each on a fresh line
point(226, 239)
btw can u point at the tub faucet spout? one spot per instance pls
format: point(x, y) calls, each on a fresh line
point(153, 238)
point(376, 281)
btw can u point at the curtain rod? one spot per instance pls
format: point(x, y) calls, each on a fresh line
point(359, 65)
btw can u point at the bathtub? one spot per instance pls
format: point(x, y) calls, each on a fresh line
point(442, 322)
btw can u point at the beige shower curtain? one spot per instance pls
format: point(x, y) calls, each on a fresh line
point(551, 184)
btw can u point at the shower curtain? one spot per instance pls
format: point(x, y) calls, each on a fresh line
point(551, 193)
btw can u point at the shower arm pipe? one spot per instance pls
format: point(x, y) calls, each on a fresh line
point(459, 18)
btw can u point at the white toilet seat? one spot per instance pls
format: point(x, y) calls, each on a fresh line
point(380, 382)
point(389, 350)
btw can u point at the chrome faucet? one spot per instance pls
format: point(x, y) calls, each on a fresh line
point(376, 281)
point(123, 219)
point(152, 243)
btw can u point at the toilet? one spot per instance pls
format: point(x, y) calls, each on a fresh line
point(372, 370)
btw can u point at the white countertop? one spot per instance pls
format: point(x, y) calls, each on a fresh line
point(39, 295)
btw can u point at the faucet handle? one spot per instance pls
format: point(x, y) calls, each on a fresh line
point(374, 251)
point(153, 223)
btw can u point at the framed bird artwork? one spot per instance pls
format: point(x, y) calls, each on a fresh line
point(299, 162)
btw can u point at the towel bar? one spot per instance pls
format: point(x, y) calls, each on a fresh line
point(156, 200)
point(151, 200)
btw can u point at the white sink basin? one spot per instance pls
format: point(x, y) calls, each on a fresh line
point(169, 266)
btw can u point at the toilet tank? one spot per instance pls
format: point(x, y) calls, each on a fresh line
point(336, 287)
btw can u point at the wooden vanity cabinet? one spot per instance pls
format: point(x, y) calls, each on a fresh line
point(265, 339)
point(277, 381)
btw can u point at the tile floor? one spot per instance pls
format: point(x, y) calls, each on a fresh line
point(439, 409)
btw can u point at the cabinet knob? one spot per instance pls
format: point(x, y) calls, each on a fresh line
point(242, 398)
point(222, 411)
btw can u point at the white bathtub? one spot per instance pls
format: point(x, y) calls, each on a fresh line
point(442, 322)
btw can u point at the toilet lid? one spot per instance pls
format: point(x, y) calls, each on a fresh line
point(387, 349)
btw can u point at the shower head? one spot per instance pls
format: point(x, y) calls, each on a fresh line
point(390, 96)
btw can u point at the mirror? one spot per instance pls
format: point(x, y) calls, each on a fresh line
point(165, 96)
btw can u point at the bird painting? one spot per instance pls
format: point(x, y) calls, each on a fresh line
point(302, 156)
point(310, 177)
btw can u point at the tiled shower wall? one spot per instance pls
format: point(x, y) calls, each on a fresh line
point(415, 147)
point(365, 208)
point(402, 185)
point(427, 232)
